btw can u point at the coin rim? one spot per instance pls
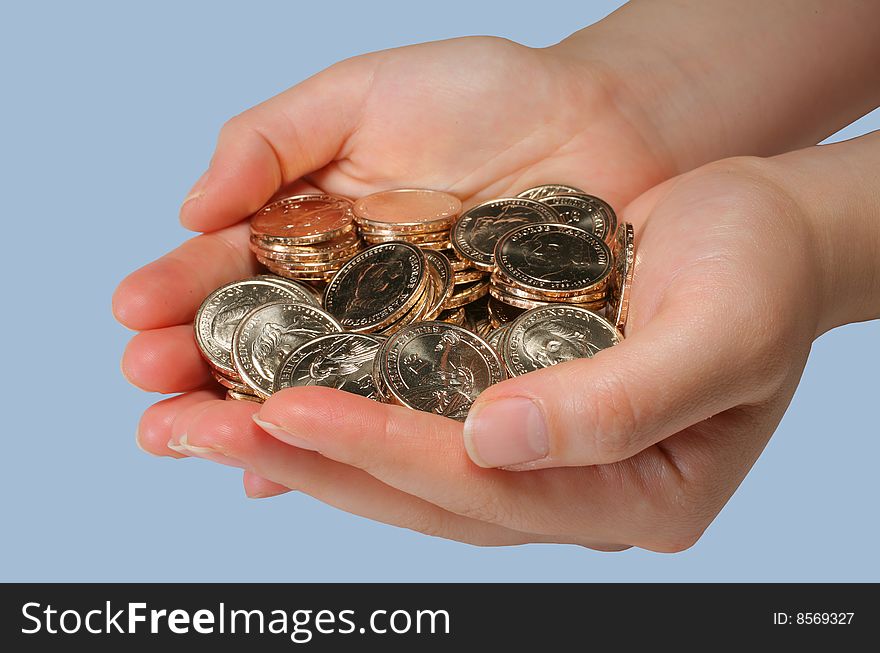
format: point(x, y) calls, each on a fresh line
point(472, 293)
point(408, 303)
point(506, 354)
point(240, 367)
point(382, 362)
point(460, 244)
point(199, 336)
point(621, 289)
point(511, 288)
point(510, 272)
point(407, 226)
point(289, 357)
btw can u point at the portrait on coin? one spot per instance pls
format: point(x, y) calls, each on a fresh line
point(373, 283)
point(487, 228)
point(556, 256)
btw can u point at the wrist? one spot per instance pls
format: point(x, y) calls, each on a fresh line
point(685, 78)
point(838, 194)
point(646, 88)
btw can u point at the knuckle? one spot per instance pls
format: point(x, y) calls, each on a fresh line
point(234, 125)
point(614, 418)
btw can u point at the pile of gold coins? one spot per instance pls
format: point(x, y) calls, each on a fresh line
point(403, 298)
point(416, 216)
point(305, 237)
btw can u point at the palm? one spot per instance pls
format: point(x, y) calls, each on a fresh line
point(484, 117)
point(709, 264)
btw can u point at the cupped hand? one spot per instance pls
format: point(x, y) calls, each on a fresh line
point(480, 117)
point(641, 445)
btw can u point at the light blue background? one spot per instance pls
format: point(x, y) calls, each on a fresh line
point(109, 113)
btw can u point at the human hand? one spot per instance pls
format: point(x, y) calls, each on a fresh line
point(305, 128)
point(640, 445)
point(479, 117)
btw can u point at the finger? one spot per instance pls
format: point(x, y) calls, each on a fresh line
point(275, 143)
point(168, 291)
point(225, 432)
point(154, 428)
point(166, 360)
point(669, 375)
point(257, 487)
point(423, 454)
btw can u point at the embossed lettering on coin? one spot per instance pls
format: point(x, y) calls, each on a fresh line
point(476, 232)
point(553, 334)
point(377, 286)
point(554, 258)
point(624, 267)
point(270, 333)
point(587, 212)
point(223, 309)
point(438, 367)
point(340, 360)
point(546, 190)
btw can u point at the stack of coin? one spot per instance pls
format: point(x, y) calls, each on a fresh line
point(471, 285)
point(476, 317)
point(416, 216)
point(268, 334)
point(476, 233)
point(501, 314)
point(387, 286)
point(478, 230)
point(547, 263)
point(436, 367)
point(553, 334)
point(621, 280)
point(306, 237)
point(223, 310)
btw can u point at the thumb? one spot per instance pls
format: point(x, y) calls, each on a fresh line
point(275, 143)
point(669, 375)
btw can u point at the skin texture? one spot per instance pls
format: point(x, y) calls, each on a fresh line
point(675, 415)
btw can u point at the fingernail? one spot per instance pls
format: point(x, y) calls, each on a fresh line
point(285, 436)
point(260, 495)
point(198, 188)
point(506, 432)
point(207, 453)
